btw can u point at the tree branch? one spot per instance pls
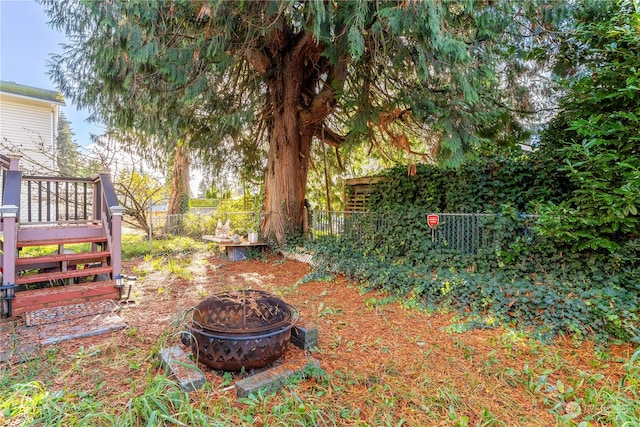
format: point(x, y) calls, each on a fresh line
point(329, 137)
point(258, 59)
point(325, 101)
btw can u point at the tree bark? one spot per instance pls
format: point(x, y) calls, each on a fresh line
point(289, 150)
point(179, 196)
point(298, 104)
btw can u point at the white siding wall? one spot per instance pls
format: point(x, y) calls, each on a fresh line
point(28, 125)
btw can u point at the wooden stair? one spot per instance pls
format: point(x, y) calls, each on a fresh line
point(63, 277)
point(54, 276)
point(71, 259)
point(26, 301)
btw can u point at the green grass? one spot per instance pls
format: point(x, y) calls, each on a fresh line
point(30, 395)
point(31, 251)
point(133, 246)
point(136, 246)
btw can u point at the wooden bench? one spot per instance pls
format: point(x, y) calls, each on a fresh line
point(235, 251)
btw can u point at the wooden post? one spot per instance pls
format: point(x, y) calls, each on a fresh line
point(305, 222)
point(14, 161)
point(10, 247)
point(9, 217)
point(116, 239)
point(96, 209)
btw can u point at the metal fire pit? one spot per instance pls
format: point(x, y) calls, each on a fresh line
point(244, 329)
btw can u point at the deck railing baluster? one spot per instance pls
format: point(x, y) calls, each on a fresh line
point(86, 202)
point(66, 205)
point(48, 201)
point(75, 207)
point(29, 200)
point(39, 201)
point(57, 201)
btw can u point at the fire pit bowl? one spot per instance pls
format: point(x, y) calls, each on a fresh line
point(243, 329)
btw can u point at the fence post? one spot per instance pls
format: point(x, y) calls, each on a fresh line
point(150, 225)
point(305, 222)
point(314, 224)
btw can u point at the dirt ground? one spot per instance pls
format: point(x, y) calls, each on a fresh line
point(395, 356)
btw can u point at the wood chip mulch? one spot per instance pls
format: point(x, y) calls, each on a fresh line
point(385, 354)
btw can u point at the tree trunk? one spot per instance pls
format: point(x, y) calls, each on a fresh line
point(179, 197)
point(288, 158)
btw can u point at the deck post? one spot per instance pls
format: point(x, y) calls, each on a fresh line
point(116, 239)
point(97, 199)
point(14, 161)
point(9, 215)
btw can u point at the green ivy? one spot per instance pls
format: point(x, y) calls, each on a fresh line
point(529, 284)
point(483, 185)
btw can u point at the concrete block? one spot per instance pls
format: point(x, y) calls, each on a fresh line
point(270, 380)
point(304, 335)
point(235, 253)
point(183, 369)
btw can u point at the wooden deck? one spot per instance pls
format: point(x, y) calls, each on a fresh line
point(57, 212)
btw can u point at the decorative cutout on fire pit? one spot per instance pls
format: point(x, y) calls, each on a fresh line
point(243, 329)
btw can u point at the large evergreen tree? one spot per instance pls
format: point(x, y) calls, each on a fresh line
point(234, 78)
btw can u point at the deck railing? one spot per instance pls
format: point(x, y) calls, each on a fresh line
point(56, 199)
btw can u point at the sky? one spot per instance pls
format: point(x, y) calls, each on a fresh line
point(26, 42)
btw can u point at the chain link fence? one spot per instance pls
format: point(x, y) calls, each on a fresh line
point(200, 223)
point(465, 233)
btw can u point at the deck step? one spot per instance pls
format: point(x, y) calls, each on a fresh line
point(60, 224)
point(45, 236)
point(25, 301)
point(71, 259)
point(54, 261)
point(61, 275)
point(61, 241)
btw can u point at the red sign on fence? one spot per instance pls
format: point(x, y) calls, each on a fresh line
point(433, 220)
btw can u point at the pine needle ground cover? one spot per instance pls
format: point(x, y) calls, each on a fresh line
point(383, 362)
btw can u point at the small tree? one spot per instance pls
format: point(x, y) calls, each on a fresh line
point(137, 184)
point(137, 192)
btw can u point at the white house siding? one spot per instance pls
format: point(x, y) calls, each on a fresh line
point(29, 126)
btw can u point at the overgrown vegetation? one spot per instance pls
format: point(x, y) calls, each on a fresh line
point(484, 185)
point(578, 275)
point(596, 138)
point(526, 284)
